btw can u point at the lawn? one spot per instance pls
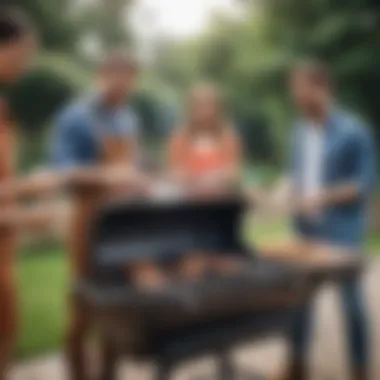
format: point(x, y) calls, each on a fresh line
point(43, 293)
point(44, 286)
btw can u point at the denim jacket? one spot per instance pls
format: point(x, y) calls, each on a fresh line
point(348, 157)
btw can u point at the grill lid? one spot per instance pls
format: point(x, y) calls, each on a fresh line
point(139, 230)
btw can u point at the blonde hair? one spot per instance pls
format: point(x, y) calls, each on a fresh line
point(220, 124)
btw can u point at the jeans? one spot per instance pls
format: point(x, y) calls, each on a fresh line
point(354, 311)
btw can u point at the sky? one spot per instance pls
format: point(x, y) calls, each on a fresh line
point(176, 18)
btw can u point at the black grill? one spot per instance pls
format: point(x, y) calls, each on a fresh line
point(185, 319)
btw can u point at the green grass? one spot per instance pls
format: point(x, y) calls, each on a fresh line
point(264, 231)
point(43, 289)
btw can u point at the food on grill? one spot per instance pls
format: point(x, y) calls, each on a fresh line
point(192, 266)
point(227, 265)
point(196, 265)
point(146, 275)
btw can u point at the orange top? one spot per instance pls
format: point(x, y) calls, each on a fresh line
point(204, 154)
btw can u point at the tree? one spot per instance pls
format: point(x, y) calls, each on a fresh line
point(56, 28)
point(48, 87)
point(345, 34)
point(232, 55)
point(104, 21)
point(250, 59)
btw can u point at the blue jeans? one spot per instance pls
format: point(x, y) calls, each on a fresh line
point(354, 310)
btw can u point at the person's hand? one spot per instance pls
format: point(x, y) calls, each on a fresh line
point(45, 182)
point(83, 177)
point(32, 218)
point(33, 185)
point(310, 206)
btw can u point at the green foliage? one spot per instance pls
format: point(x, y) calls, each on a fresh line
point(45, 89)
point(56, 29)
point(345, 34)
point(51, 84)
point(105, 22)
point(150, 114)
point(233, 55)
point(250, 59)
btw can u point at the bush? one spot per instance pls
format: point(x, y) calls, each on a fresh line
point(51, 83)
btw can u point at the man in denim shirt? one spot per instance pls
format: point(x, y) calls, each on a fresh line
point(82, 128)
point(96, 130)
point(332, 173)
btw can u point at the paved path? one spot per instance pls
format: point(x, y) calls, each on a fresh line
point(328, 359)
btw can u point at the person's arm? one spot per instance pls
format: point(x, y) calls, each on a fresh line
point(231, 171)
point(363, 178)
point(36, 184)
point(16, 217)
point(176, 156)
point(7, 152)
point(12, 216)
point(358, 186)
point(63, 156)
point(340, 194)
point(67, 164)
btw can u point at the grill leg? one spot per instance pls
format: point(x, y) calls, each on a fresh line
point(228, 371)
point(79, 326)
point(109, 362)
point(163, 371)
point(226, 367)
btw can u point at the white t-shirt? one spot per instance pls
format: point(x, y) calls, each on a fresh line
point(313, 159)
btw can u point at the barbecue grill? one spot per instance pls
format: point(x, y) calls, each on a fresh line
point(187, 318)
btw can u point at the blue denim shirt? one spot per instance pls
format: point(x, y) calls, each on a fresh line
point(78, 131)
point(348, 157)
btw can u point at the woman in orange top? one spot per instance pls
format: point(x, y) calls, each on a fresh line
point(205, 152)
